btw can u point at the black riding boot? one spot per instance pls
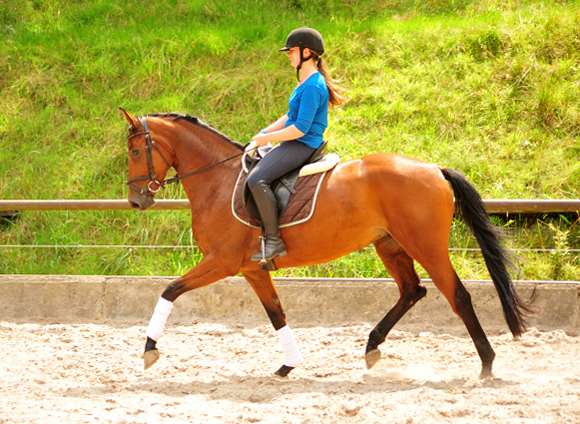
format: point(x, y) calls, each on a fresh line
point(268, 207)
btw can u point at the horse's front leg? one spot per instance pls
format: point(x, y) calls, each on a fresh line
point(262, 283)
point(206, 272)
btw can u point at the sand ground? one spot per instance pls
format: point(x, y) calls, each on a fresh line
point(213, 373)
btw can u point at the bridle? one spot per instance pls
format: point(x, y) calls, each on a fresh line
point(150, 143)
point(150, 166)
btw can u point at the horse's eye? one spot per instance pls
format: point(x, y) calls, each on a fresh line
point(135, 152)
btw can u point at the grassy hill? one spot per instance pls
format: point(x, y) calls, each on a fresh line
point(487, 87)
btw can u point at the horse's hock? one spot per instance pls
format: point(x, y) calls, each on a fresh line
point(307, 302)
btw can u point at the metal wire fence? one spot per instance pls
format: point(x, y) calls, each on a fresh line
point(501, 206)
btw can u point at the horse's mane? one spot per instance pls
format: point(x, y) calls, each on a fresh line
point(196, 121)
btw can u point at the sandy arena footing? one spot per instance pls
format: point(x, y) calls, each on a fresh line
point(72, 353)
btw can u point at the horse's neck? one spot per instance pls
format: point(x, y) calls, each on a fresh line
point(197, 148)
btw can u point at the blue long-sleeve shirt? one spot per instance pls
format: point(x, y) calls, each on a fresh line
point(309, 110)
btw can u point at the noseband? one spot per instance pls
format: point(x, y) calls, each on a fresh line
point(150, 166)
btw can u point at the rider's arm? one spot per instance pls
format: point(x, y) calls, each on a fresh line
point(288, 133)
point(305, 112)
point(278, 132)
point(280, 124)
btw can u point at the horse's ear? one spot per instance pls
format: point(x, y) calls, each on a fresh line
point(133, 121)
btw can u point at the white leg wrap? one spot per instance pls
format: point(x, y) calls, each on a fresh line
point(159, 318)
point(293, 355)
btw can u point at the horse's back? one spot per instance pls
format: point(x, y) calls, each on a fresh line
point(392, 191)
point(391, 176)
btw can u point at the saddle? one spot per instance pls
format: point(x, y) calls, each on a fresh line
point(286, 186)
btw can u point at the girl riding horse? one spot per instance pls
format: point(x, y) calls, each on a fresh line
point(300, 131)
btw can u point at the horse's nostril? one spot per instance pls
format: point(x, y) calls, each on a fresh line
point(134, 205)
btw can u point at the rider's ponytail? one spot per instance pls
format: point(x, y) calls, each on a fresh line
point(335, 97)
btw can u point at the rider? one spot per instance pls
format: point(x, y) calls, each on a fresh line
point(299, 131)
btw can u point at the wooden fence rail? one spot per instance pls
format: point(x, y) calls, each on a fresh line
point(500, 206)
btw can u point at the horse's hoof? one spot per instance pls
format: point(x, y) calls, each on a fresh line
point(486, 374)
point(283, 371)
point(372, 357)
point(150, 357)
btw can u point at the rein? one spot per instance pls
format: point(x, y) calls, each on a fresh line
point(177, 178)
point(150, 143)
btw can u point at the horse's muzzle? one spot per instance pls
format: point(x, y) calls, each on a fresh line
point(141, 201)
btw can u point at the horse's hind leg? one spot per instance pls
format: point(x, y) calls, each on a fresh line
point(400, 266)
point(429, 247)
point(458, 297)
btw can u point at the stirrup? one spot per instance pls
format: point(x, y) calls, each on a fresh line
point(279, 249)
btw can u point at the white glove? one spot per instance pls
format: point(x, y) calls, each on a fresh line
point(251, 149)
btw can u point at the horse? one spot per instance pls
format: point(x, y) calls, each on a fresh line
point(403, 206)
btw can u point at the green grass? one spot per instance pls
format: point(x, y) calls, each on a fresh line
point(487, 87)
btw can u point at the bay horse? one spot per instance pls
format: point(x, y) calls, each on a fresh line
point(403, 206)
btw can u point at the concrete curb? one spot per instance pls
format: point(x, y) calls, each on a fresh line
point(307, 302)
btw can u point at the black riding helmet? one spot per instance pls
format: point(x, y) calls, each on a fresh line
point(304, 37)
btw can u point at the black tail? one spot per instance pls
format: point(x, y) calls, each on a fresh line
point(497, 257)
